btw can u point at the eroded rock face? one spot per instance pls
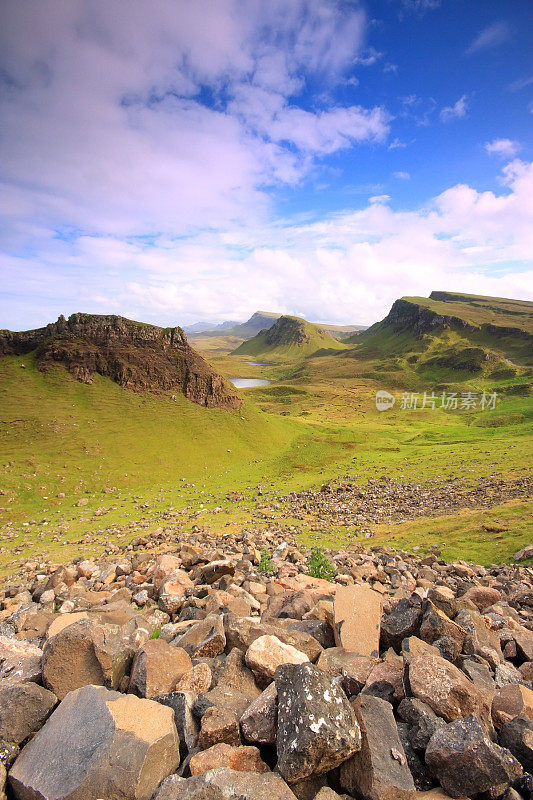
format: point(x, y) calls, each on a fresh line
point(317, 729)
point(136, 356)
point(98, 744)
point(358, 611)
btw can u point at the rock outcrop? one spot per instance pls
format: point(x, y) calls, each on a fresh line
point(137, 356)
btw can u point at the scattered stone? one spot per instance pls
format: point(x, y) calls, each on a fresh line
point(24, 707)
point(204, 639)
point(260, 720)
point(517, 736)
point(510, 701)
point(446, 689)
point(225, 784)
point(266, 653)
point(241, 759)
point(19, 661)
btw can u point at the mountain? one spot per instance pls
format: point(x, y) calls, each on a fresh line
point(263, 320)
point(341, 332)
point(135, 355)
point(205, 327)
point(454, 331)
point(289, 335)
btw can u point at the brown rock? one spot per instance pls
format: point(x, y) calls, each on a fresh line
point(157, 668)
point(197, 680)
point(232, 671)
point(510, 701)
point(172, 591)
point(266, 653)
point(62, 621)
point(19, 661)
point(24, 707)
point(205, 639)
point(165, 566)
point(218, 725)
point(379, 771)
point(260, 720)
point(225, 784)
point(241, 759)
point(482, 596)
point(446, 689)
point(358, 611)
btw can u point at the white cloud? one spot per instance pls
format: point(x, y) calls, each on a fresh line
point(491, 36)
point(458, 110)
point(506, 148)
point(403, 176)
point(349, 267)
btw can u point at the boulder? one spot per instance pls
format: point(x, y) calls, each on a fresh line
point(204, 639)
point(422, 721)
point(172, 591)
point(188, 727)
point(232, 671)
point(510, 701)
point(266, 653)
point(260, 720)
point(403, 621)
point(317, 730)
point(197, 680)
point(446, 689)
point(467, 762)
point(19, 661)
point(157, 668)
point(225, 784)
point(241, 759)
point(85, 653)
point(218, 725)
point(24, 707)
point(358, 611)
point(436, 626)
point(98, 744)
point(379, 771)
point(517, 736)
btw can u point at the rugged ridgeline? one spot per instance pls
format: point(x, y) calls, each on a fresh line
point(210, 669)
point(135, 355)
point(465, 332)
point(264, 320)
point(289, 334)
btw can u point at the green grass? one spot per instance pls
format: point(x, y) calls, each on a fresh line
point(289, 338)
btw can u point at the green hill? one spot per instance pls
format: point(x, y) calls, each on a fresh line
point(450, 334)
point(289, 336)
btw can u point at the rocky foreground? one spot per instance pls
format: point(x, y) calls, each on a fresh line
point(196, 675)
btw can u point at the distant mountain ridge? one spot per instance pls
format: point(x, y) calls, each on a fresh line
point(288, 334)
point(263, 320)
point(135, 355)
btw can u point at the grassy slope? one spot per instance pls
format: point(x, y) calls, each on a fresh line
point(316, 340)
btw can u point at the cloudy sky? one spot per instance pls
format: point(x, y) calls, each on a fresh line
point(178, 160)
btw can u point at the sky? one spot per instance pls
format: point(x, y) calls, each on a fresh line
point(175, 161)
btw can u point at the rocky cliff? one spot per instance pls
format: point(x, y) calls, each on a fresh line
point(135, 355)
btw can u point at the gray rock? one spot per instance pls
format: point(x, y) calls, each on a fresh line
point(19, 661)
point(98, 744)
point(187, 724)
point(206, 638)
point(260, 720)
point(379, 771)
point(317, 729)
point(467, 762)
point(404, 620)
point(517, 736)
point(422, 720)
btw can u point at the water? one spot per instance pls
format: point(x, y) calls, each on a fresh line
point(248, 383)
point(257, 363)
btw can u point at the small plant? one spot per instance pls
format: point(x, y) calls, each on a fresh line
point(266, 565)
point(156, 633)
point(319, 565)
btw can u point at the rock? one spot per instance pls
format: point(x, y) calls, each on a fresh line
point(260, 720)
point(358, 611)
point(403, 621)
point(157, 668)
point(266, 653)
point(510, 701)
point(379, 771)
point(517, 736)
point(232, 671)
point(205, 639)
point(479, 635)
point(241, 633)
point(19, 661)
point(24, 707)
point(422, 720)
point(62, 621)
point(211, 572)
point(479, 673)
point(98, 744)
point(187, 725)
point(482, 596)
point(436, 625)
point(317, 628)
point(446, 689)
point(413, 647)
point(197, 680)
point(467, 762)
point(85, 653)
point(172, 590)
point(421, 775)
point(317, 730)
point(218, 725)
point(241, 759)
point(291, 605)
point(165, 566)
point(225, 784)
point(525, 552)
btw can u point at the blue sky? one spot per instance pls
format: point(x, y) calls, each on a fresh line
point(174, 161)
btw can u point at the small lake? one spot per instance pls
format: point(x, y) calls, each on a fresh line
point(247, 383)
point(257, 363)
